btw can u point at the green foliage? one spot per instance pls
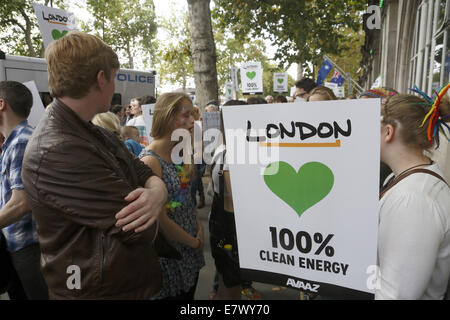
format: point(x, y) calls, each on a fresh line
point(174, 55)
point(350, 57)
point(302, 30)
point(176, 60)
point(232, 51)
point(128, 26)
point(19, 29)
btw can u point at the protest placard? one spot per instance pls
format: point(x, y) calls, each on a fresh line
point(251, 78)
point(307, 214)
point(228, 91)
point(38, 109)
point(280, 82)
point(147, 112)
point(53, 23)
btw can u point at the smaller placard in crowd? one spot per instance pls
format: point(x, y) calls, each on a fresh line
point(251, 78)
point(280, 82)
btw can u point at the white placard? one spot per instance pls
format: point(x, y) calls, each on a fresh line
point(305, 193)
point(339, 92)
point(211, 120)
point(293, 89)
point(54, 23)
point(228, 91)
point(234, 78)
point(280, 82)
point(147, 112)
point(251, 78)
point(377, 83)
point(38, 109)
point(331, 85)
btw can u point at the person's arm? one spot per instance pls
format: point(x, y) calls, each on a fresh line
point(15, 208)
point(145, 205)
point(228, 195)
point(169, 227)
point(200, 233)
point(74, 180)
point(409, 239)
point(173, 231)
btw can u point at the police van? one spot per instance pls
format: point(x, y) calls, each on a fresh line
point(129, 83)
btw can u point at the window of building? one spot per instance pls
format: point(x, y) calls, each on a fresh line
point(430, 60)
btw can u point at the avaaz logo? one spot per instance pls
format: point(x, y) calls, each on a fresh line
point(302, 285)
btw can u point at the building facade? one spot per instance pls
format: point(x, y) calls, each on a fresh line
point(411, 48)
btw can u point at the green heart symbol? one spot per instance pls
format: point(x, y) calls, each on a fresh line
point(56, 34)
point(300, 190)
point(251, 75)
point(280, 81)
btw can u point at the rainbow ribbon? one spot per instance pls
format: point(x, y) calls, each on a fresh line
point(182, 192)
point(434, 118)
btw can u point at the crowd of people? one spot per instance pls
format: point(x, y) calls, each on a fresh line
point(94, 207)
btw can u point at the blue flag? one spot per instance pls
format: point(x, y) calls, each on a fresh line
point(338, 78)
point(324, 71)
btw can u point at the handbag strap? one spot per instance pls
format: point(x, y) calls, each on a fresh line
point(382, 193)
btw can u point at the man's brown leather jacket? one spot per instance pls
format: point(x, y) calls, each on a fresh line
point(76, 176)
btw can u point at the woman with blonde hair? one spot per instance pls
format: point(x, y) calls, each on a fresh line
point(414, 219)
point(179, 222)
point(108, 121)
point(321, 94)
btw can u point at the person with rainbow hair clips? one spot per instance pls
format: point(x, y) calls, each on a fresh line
point(414, 219)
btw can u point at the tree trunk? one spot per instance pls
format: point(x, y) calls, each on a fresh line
point(300, 70)
point(203, 52)
point(130, 56)
point(184, 76)
point(27, 30)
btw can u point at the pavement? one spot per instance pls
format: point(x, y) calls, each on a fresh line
point(206, 277)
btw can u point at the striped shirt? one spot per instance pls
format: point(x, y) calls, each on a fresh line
point(23, 232)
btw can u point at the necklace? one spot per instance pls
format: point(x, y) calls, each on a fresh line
point(182, 192)
point(419, 165)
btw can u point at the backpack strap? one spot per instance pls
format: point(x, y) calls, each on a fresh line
point(389, 187)
point(220, 192)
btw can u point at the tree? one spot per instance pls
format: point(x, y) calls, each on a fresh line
point(350, 55)
point(175, 54)
point(19, 29)
point(302, 30)
point(203, 51)
point(232, 52)
point(127, 26)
